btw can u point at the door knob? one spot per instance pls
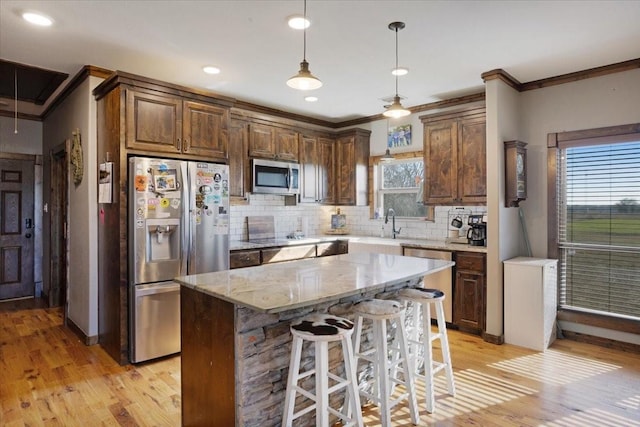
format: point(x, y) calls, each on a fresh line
point(28, 235)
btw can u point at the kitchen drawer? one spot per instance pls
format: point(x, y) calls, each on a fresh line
point(470, 261)
point(326, 249)
point(288, 253)
point(244, 259)
point(332, 248)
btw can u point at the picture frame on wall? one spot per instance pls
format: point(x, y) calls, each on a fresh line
point(399, 136)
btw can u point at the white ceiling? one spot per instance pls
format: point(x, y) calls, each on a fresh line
point(446, 45)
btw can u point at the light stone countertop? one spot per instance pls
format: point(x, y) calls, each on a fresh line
point(417, 243)
point(273, 288)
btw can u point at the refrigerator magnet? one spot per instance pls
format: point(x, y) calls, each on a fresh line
point(141, 183)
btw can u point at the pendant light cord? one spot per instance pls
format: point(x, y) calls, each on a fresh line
point(304, 32)
point(396, 73)
point(15, 86)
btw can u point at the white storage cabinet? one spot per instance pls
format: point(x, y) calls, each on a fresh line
point(530, 302)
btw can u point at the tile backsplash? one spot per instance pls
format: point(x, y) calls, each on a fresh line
point(314, 220)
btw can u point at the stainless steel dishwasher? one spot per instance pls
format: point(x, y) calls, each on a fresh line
point(441, 280)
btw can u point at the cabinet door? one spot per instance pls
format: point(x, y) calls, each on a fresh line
point(326, 171)
point(239, 170)
point(468, 304)
point(345, 170)
point(472, 165)
point(287, 145)
point(205, 130)
point(440, 160)
point(309, 169)
point(262, 141)
point(154, 123)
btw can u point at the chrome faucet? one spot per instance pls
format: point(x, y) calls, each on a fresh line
point(391, 212)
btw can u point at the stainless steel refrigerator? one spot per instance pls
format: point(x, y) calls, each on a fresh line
point(178, 224)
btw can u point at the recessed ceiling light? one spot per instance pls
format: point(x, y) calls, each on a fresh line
point(311, 98)
point(298, 22)
point(37, 19)
point(210, 69)
point(400, 71)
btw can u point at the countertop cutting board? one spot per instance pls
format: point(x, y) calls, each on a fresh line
point(260, 227)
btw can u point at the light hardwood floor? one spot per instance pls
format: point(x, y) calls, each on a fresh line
point(48, 377)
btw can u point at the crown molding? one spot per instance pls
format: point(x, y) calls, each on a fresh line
point(84, 73)
point(507, 78)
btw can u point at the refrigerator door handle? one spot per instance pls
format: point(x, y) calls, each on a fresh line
point(160, 288)
point(186, 217)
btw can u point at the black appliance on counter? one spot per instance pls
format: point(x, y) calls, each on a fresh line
point(477, 234)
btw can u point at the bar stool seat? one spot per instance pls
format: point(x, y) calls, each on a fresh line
point(379, 312)
point(421, 349)
point(321, 329)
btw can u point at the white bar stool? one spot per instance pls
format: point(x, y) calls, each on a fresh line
point(422, 350)
point(384, 378)
point(322, 328)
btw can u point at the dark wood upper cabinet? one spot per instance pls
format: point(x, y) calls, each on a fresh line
point(270, 142)
point(166, 124)
point(287, 145)
point(317, 162)
point(154, 122)
point(239, 164)
point(455, 158)
point(262, 141)
point(205, 130)
point(441, 162)
point(472, 161)
point(326, 171)
point(352, 163)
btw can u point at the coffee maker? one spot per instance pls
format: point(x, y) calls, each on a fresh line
point(477, 233)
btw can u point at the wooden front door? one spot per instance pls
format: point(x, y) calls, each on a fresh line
point(16, 228)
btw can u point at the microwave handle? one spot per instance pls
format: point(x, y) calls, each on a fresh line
point(289, 178)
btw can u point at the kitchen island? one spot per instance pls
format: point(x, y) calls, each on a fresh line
point(235, 327)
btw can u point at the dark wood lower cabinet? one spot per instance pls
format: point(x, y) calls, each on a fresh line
point(208, 360)
point(469, 301)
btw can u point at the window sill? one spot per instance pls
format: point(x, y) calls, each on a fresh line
point(614, 323)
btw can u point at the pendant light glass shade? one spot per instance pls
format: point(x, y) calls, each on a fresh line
point(304, 80)
point(396, 109)
point(387, 156)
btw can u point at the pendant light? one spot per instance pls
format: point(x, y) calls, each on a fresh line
point(304, 80)
point(396, 109)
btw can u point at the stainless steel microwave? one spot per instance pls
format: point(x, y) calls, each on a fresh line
point(274, 177)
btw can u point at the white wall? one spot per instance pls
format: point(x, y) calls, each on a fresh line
point(604, 101)
point(28, 140)
point(503, 231)
point(78, 111)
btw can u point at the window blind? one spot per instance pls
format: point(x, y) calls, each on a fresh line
point(599, 227)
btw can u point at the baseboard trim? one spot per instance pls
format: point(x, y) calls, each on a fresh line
point(87, 340)
point(493, 339)
point(602, 342)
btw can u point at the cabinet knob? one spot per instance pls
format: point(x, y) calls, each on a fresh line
point(186, 145)
point(179, 145)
